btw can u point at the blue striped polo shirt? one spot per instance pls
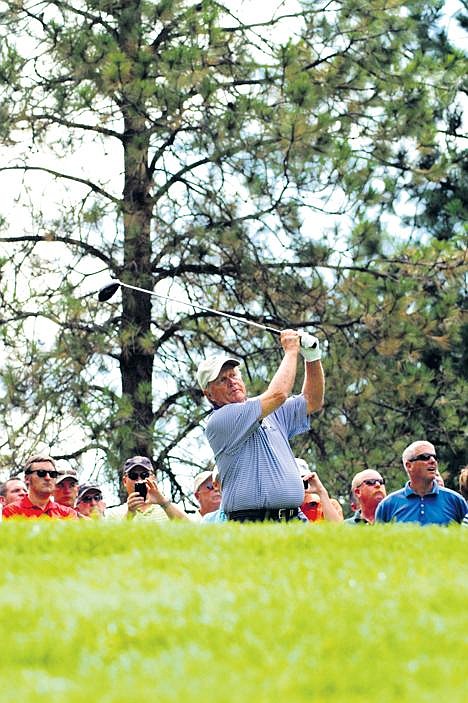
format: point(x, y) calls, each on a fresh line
point(256, 465)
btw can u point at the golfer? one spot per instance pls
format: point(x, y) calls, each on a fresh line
point(250, 436)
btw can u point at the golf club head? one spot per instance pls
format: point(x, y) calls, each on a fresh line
point(108, 291)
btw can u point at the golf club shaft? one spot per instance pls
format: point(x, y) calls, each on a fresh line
point(201, 307)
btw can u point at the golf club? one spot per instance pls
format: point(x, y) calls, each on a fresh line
point(107, 291)
point(110, 289)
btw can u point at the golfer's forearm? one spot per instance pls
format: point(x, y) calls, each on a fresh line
point(314, 386)
point(281, 384)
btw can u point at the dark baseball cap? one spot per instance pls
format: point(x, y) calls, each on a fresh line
point(86, 488)
point(135, 461)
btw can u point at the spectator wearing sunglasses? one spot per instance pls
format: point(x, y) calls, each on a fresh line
point(145, 500)
point(206, 493)
point(216, 515)
point(422, 500)
point(367, 492)
point(40, 476)
point(89, 501)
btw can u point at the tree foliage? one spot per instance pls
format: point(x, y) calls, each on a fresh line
point(284, 170)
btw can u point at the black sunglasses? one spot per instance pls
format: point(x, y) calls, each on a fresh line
point(423, 457)
point(138, 475)
point(373, 482)
point(89, 499)
point(42, 473)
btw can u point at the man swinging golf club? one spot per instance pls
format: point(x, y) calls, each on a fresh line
point(250, 436)
point(258, 473)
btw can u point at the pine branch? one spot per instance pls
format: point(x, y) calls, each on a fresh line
point(67, 177)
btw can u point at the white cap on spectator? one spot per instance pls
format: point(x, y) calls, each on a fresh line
point(201, 478)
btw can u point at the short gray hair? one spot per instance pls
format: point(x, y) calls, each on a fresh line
point(407, 453)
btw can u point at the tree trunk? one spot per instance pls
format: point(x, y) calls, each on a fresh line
point(136, 361)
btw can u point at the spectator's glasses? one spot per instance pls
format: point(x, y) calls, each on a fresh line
point(138, 475)
point(423, 457)
point(373, 482)
point(89, 498)
point(208, 486)
point(42, 473)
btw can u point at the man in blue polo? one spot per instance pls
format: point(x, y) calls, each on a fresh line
point(250, 436)
point(422, 499)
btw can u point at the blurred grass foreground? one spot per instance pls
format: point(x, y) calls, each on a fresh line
point(139, 612)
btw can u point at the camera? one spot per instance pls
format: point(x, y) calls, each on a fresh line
point(142, 489)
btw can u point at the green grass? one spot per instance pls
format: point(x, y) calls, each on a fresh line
point(136, 612)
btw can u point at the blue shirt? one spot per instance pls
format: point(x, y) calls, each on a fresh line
point(440, 506)
point(256, 465)
point(216, 516)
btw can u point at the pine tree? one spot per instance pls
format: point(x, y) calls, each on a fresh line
point(256, 169)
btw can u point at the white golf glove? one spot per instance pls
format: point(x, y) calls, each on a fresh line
point(310, 347)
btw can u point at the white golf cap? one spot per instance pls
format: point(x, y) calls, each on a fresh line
point(209, 369)
point(201, 478)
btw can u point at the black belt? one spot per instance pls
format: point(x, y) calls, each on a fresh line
point(277, 515)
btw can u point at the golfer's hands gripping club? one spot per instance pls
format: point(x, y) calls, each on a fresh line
point(310, 347)
point(303, 342)
point(290, 340)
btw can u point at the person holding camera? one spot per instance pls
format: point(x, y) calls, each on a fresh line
point(317, 505)
point(145, 500)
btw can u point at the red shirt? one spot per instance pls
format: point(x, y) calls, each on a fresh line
point(24, 508)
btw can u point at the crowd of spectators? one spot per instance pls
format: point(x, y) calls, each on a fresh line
point(256, 477)
point(48, 492)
